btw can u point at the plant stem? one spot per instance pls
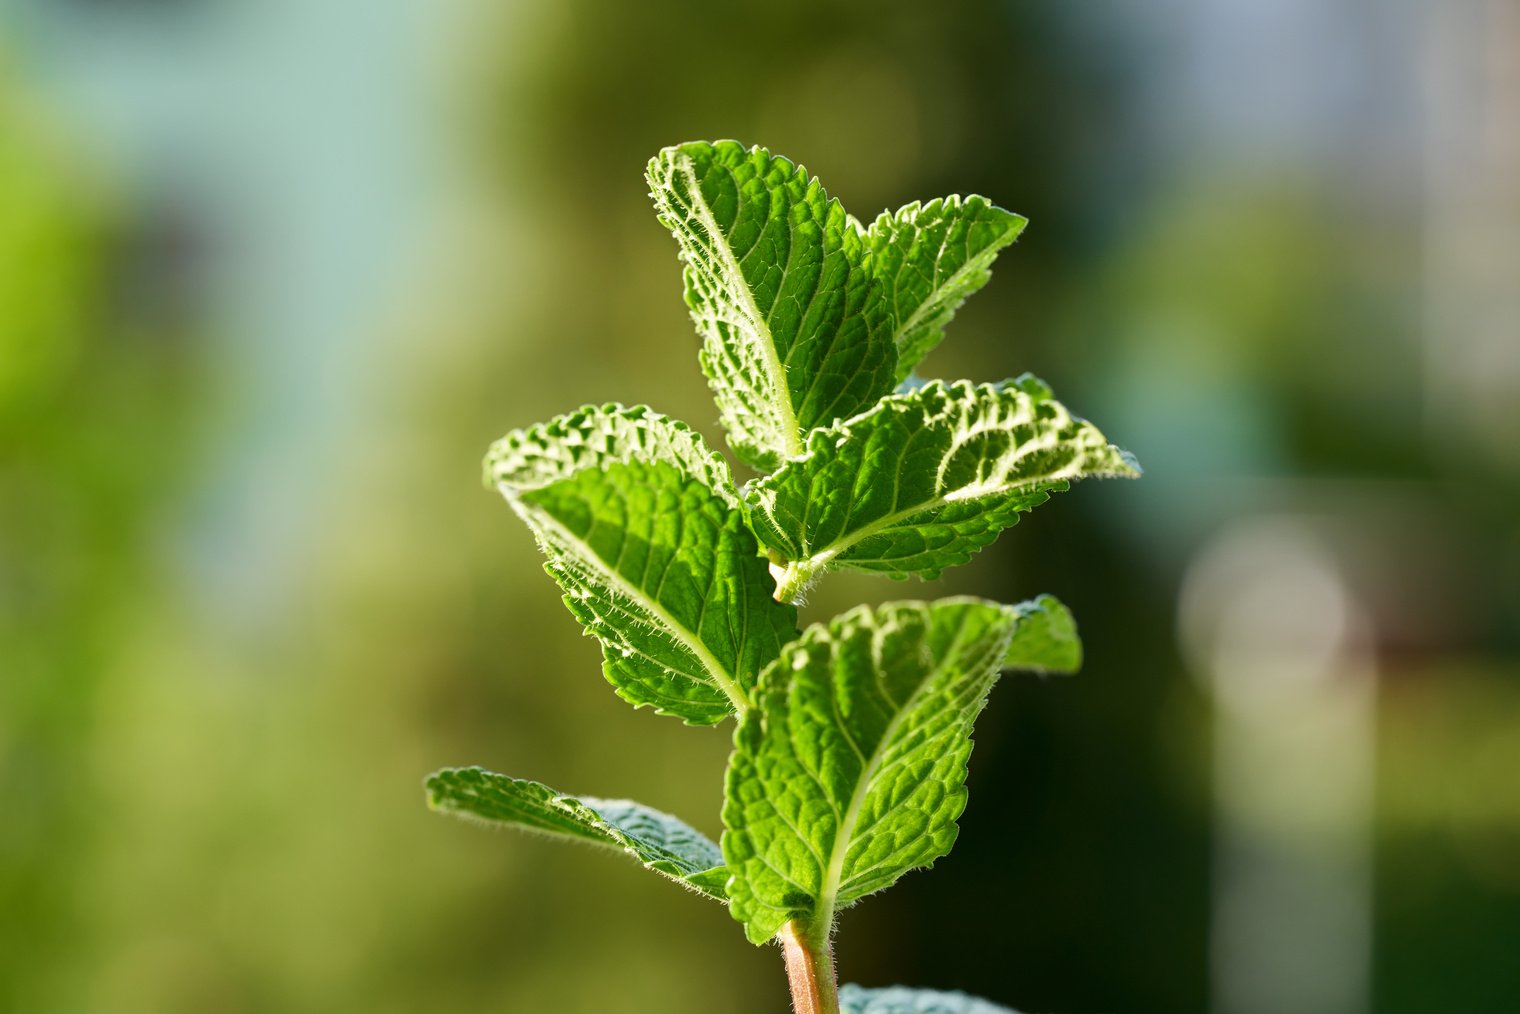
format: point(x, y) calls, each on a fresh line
point(810, 970)
point(790, 579)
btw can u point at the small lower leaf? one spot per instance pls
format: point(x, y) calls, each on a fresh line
point(661, 842)
point(899, 1000)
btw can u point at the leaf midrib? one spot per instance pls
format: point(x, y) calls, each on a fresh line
point(739, 287)
point(833, 873)
point(921, 311)
point(722, 679)
point(821, 558)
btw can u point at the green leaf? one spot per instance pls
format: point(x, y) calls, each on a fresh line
point(929, 258)
point(898, 1000)
point(654, 556)
point(659, 841)
point(794, 331)
point(850, 771)
point(1046, 638)
point(669, 578)
point(595, 436)
point(925, 479)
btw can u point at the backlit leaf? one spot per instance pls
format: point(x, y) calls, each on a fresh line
point(794, 330)
point(1046, 638)
point(924, 479)
point(850, 769)
point(642, 530)
point(929, 258)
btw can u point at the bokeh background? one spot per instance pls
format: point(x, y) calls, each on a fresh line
point(274, 273)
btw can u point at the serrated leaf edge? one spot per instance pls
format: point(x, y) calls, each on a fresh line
point(683, 448)
point(717, 244)
point(828, 893)
point(795, 575)
point(826, 900)
point(908, 215)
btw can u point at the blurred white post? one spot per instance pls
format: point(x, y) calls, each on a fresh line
point(1272, 629)
point(1470, 62)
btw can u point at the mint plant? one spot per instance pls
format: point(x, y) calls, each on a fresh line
point(853, 735)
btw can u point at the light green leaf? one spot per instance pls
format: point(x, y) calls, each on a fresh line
point(794, 331)
point(929, 258)
point(899, 1000)
point(1046, 638)
point(654, 556)
point(659, 841)
point(595, 436)
point(668, 577)
point(850, 771)
point(924, 479)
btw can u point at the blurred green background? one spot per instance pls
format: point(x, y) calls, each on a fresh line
point(273, 274)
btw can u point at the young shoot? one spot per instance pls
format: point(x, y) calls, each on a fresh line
point(852, 735)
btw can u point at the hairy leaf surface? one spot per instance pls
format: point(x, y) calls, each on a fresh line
point(653, 553)
point(850, 770)
point(794, 331)
point(669, 578)
point(929, 258)
point(659, 841)
point(899, 1000)
point(595, 436)
point(925, 479)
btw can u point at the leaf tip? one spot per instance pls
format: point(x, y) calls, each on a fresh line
point(1032, 386)
point(1045, 639)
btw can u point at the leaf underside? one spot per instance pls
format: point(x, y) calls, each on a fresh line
point(850, 771)
point(657, 840)
point(901, 1000)
point(929, 258)
point(926, 478)
point(794, 331)
point(655, 561)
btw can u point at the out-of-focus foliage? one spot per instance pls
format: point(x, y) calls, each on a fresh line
point(90, 415)
point(211, 744)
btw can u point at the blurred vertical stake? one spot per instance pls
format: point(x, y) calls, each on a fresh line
point(1471, 63)
point(1271, 628)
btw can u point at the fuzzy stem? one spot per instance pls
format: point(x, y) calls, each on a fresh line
point(791, 578)
point(810, 970)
